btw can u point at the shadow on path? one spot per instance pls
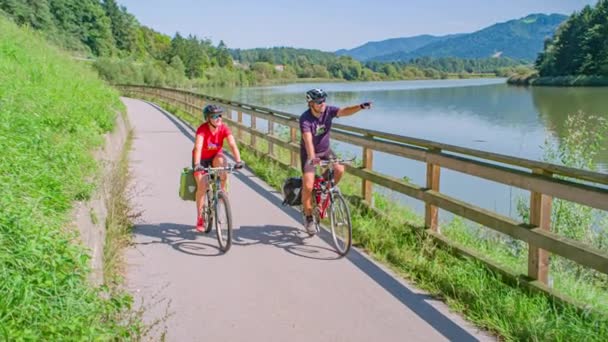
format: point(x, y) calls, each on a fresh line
point(290, 239)
point(181, 237)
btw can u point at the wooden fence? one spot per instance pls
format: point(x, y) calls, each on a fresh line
point(581, 186)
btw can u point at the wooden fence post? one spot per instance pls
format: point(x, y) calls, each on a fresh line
point(431, 217)
point(239, 119)
point(292, 138)
point(540, 216)
point(252, 137)
point(270, 132)
point(366, 186)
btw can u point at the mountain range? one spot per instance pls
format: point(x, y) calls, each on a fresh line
point(519, 39)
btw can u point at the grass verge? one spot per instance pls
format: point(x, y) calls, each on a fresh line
point(119, 222)
point(53, 114)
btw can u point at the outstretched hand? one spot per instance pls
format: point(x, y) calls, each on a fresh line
point(239, 165)
point(366, 105)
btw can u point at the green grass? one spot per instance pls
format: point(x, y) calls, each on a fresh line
point(396, 239)
point(53, 113)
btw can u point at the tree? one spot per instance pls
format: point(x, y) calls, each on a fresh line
point(123, 25)
point(35, 13)
point(178, 66)
point(579, 46)
point(223, 56)
point(595, 44)
point(85, 20)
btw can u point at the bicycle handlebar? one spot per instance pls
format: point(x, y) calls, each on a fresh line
point(335, 161)
point(230, 168)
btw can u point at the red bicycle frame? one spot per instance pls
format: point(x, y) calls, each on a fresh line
point(317, 188)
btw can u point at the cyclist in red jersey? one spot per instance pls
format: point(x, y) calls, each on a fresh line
point(208, 153)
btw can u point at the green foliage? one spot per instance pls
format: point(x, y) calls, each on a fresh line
point(316, 64)
point(458, 65)
point(283, 55)
point(34, 13)
point(579, 46)
point(53, 112)
point(581, 143)
point(86, 21)
point(123, 26)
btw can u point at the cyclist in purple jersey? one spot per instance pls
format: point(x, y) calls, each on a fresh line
point(315, 125)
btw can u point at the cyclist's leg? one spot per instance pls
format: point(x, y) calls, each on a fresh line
point(338, 168)
point(308, 179)
point(219, 160)
point(201, 186)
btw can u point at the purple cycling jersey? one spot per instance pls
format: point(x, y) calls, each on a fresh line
point(319, 127)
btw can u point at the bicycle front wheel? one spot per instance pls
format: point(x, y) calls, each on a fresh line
point(223, 222)
point(341, 226)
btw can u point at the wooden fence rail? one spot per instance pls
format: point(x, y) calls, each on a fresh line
point(580, 186)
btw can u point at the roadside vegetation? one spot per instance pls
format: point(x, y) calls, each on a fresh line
point(53, 114)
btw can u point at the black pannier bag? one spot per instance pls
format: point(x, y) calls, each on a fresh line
point(292, 191)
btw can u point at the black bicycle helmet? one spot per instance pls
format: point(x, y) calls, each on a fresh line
point(316, 95)
point(212, 109)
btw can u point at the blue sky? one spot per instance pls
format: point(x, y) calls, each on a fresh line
point(331, 24)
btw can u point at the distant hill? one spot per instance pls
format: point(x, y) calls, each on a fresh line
point(371, 50)
point(520, 39)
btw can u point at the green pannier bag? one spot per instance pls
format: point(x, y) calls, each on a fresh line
point(187, 185)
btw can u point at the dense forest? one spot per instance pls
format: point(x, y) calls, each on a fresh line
point(302, 63)
point(124, 51)
point(580, 46)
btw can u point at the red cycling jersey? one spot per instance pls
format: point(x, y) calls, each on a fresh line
point(212, 142)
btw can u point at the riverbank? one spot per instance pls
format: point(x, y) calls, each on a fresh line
point(561, 81)
point(448, 76)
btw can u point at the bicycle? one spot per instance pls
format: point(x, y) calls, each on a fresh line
point(217, 204)
point(327, 199)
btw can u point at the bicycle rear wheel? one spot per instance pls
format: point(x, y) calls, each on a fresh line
point(341, 226)
point(223, 222)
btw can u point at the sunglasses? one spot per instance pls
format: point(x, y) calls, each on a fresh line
point(215, 116)
point(319, 102)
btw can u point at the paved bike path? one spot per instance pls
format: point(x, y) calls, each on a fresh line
point(275, 283)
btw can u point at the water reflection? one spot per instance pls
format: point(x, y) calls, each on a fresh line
point(555, 104)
